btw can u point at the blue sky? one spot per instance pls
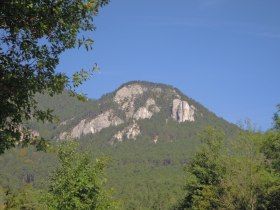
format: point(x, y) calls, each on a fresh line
point(225, 54)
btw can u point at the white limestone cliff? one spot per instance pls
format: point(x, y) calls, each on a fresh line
point(130, 132)
point(182, 111)
point(126, 97)
point(147, 111)
point(92, 126)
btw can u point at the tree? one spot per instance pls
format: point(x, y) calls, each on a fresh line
point(78, 183)
point(34, 33)
point(271, 149)
point(276, 119)
point(205, 173)
point(239, 176)
point(248, 179)
point(27, 198)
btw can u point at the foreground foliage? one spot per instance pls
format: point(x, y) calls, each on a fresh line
point(34, 33)
point(245, 176)
point(238, 173)
point(78, 183)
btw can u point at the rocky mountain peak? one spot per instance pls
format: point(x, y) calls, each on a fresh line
point(128, 106)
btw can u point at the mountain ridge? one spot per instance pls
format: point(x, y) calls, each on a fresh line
point(131, 105)
point(146, 171)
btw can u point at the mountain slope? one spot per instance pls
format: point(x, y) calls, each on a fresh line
point(136, 109)
point(149, 130)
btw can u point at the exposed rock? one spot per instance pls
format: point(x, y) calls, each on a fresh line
point(154, 109)
point(142, 113)
point(63, 136)
point(155, 140)
point(147, 111)
point(95, 125)
point(150, 102)
point(182, 111)
point(118, 136)
point(126, 96)
point(130, 132)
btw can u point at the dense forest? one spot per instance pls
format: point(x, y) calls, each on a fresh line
point(237, 173)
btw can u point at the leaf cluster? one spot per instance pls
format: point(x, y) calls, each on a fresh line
point(78, 183)
point(242, 175)
point(34, 33)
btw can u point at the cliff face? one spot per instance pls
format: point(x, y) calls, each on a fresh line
point(182, 111)
point(130, 132)
point(131, 104)
point(126, 96)
point(91, 126)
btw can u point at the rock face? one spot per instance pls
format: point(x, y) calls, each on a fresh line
point(182, 111)
point(147, 111)
point(95, 125)
point(125, 97)
point(142, 113)
point(134, 102)
point(130, 132)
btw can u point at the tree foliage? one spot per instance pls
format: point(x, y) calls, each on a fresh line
point(27, 198)
point(242, 177)
point(276, 119)
point(34, 33)
point(205, 173)
point(78, 183)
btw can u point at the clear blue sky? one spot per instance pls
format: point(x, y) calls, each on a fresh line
point(225, 54)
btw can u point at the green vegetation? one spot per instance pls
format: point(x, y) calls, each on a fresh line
point(241, 173)
point(276, 119)
point(77, 183)
point(205, 173)
point(230, 169)
point(71, 111)
point(242, 176)
point(33, 36)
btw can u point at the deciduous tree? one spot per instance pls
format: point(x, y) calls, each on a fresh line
point(205, 173)
point(78, 183)
point(33, 35)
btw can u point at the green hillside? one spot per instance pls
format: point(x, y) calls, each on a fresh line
point(145, 174)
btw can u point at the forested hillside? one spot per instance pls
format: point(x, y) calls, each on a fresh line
point(146, 171)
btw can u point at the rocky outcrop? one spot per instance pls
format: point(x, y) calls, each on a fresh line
point(155, 139)
point(130, 99)
point(147, 111)
point(126, 96)
point(95, 125)
point(130, 132)
point(182, 111)
point(142, 113)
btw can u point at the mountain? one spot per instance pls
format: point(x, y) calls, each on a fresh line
point(135, 110)
point(149, 130)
